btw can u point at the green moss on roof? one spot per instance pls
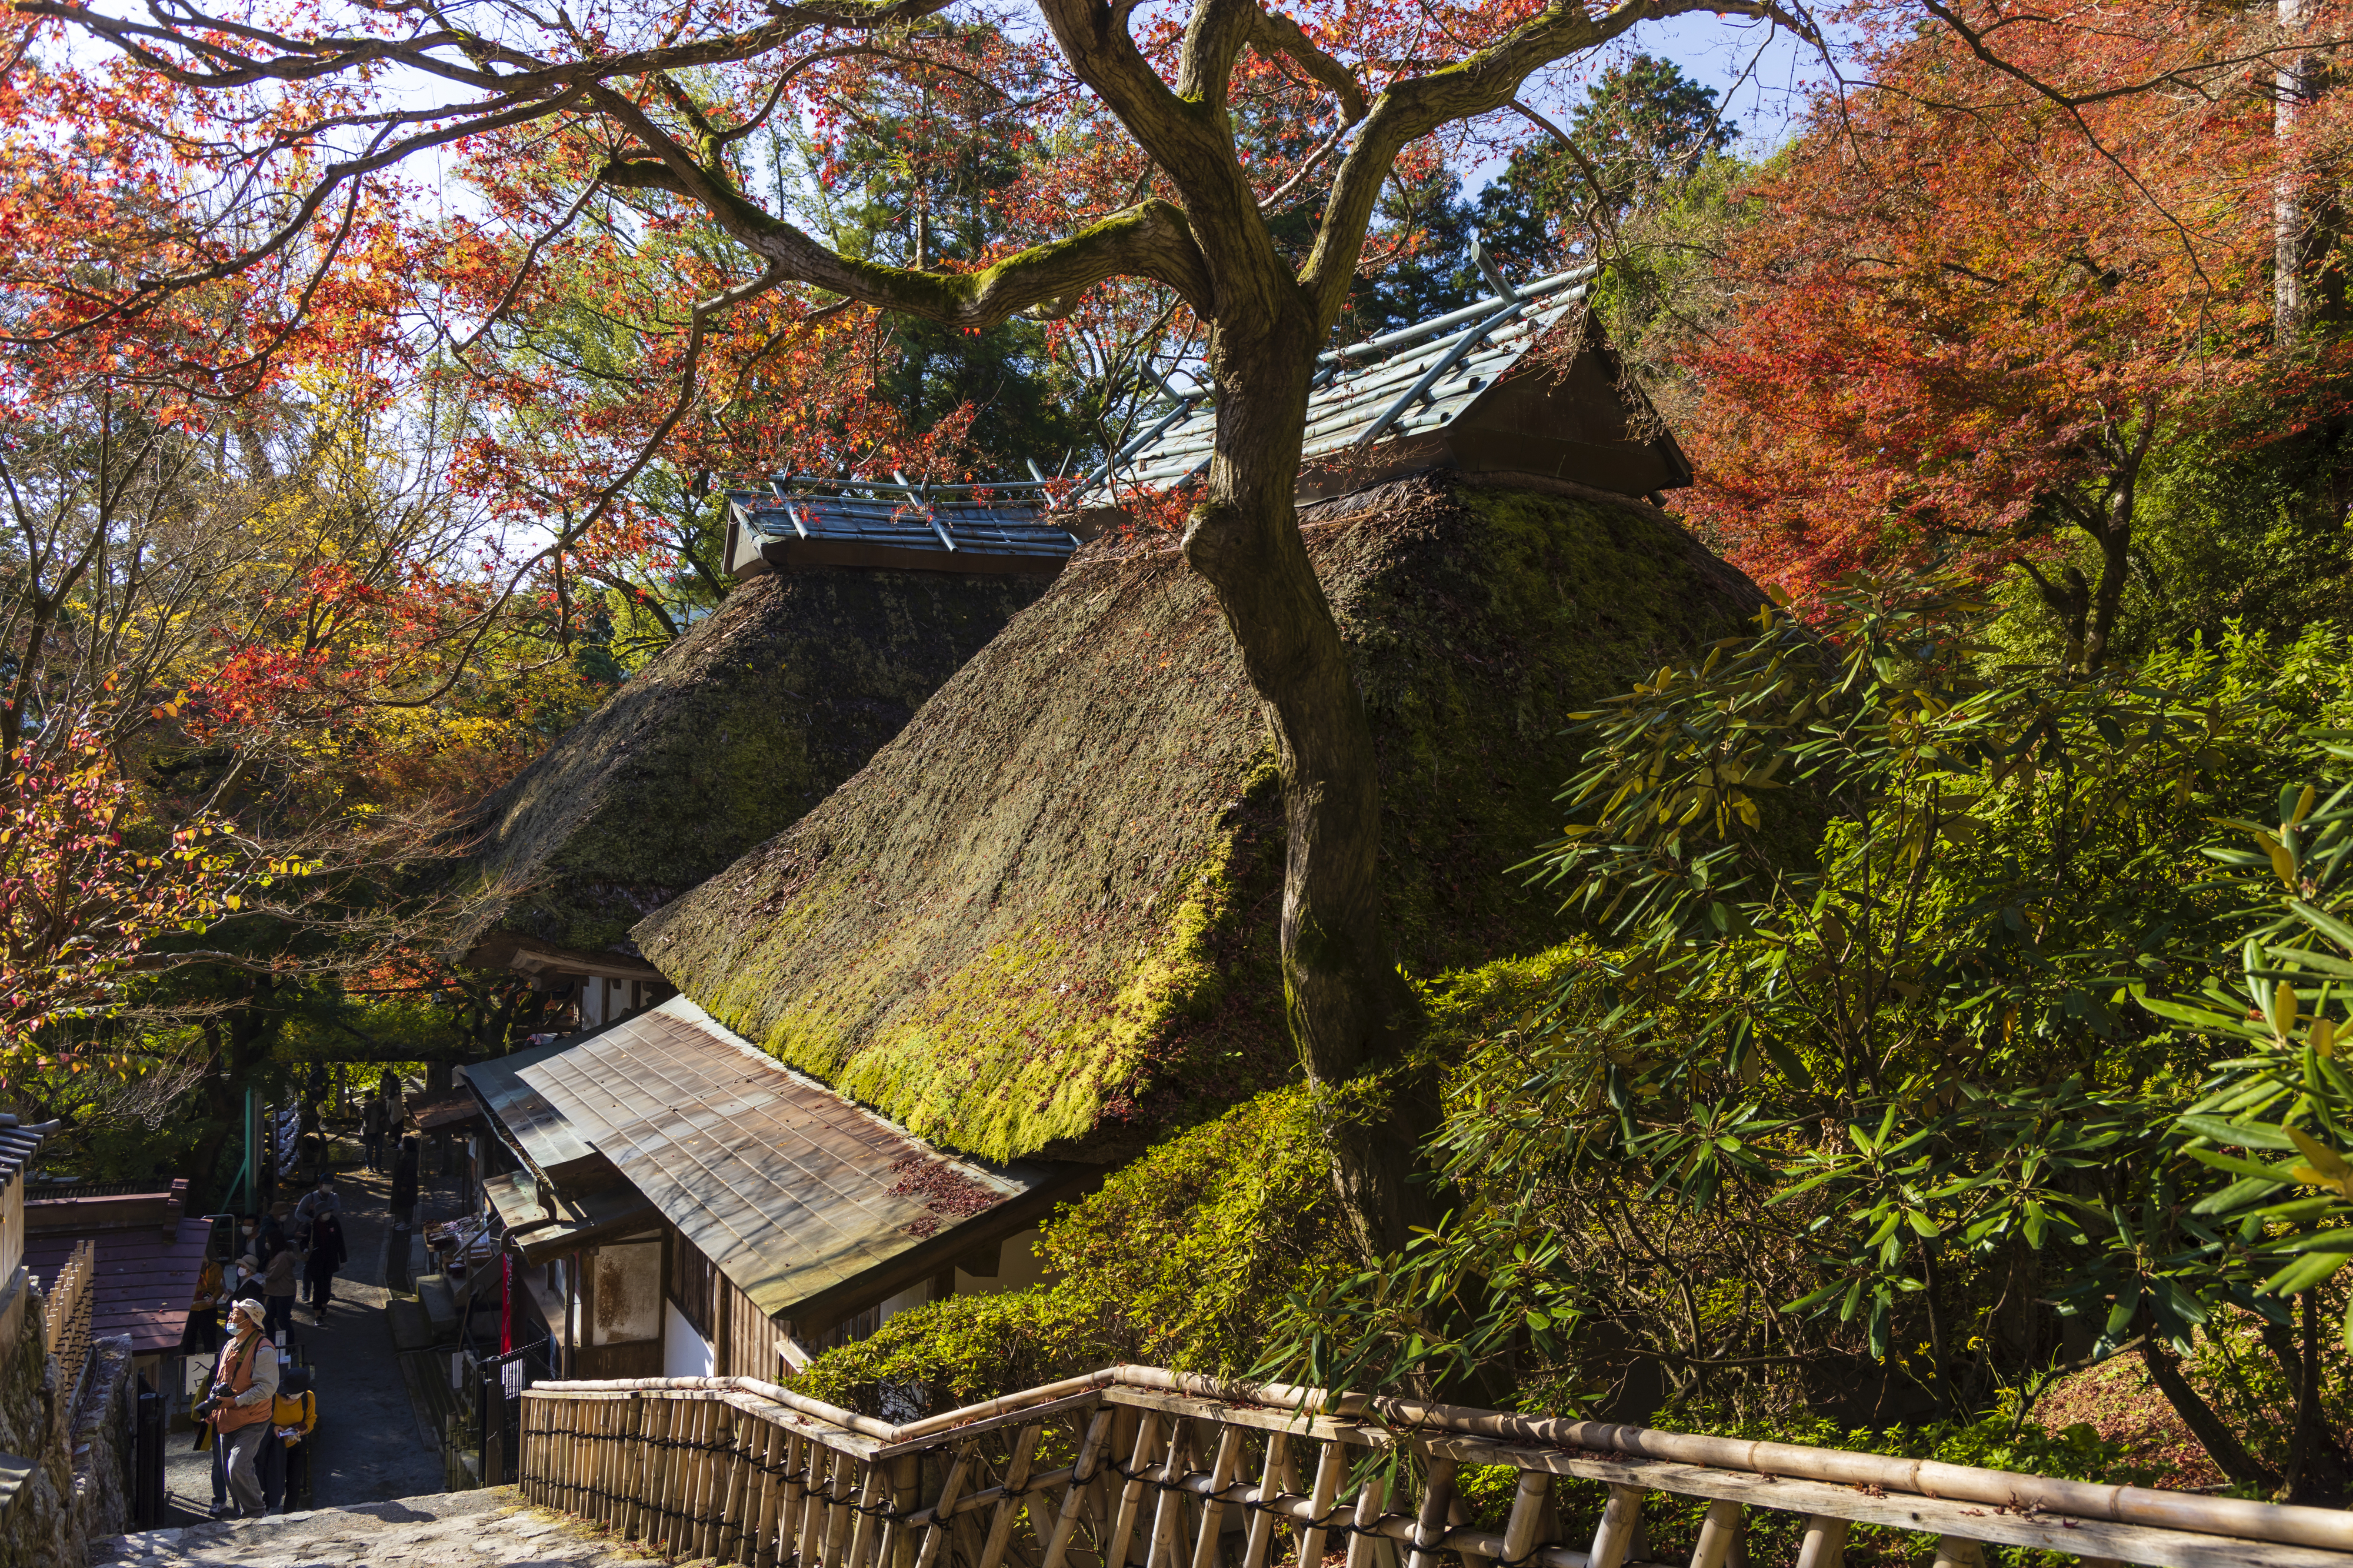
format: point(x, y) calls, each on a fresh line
point(759, 712)
point(1044, 918)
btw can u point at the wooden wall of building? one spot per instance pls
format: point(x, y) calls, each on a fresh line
point(744, 1342)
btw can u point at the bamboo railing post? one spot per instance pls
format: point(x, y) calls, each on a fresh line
point(526, 1474)
point(1825, 1543)
point(1331, 1469)
point(1958, 1551)
point(905, 1488)
point(1260, 1542)
point(1082, 1476)
point(815, 1505)
point(1167, 1516)
point(645, 1462)
point(597, 1439)
point(1718, 1532)
point(866, 1520)
point(936, 1534)
point(1429, 1521)
point(567, 1458)
point(835, 1544)
point(580, 1420)
point(693, 1487)
point(1621, 1517)
point(742, 1491)
point(717, 1429)
point(1016, 1481)
point(1458, 1513)
point(776, 1457)
point(1372, 1499)
point(667, 1468)
point(1222, 1471)
point(613, 1462)
point(1131, 1496)
point(734, 1483)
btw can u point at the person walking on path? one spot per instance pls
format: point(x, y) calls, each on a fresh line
point(327, 1255)
point(374, 1121)
point(202, 1332)
point(403, 1186)
point(278, 1284)
point(320, 1200)
point(243, 1398)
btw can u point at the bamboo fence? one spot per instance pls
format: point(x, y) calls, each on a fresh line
point(1136, 1466)
point(67, 1316)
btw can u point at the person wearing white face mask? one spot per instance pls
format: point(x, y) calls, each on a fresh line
point(241, 1400)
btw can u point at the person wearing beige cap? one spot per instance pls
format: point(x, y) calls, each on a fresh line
point(243, 1397)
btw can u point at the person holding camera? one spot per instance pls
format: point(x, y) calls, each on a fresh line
point(242, 1399)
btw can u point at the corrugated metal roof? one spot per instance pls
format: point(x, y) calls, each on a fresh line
point(1003, 521)
point(1403, 383)
point(789, 1189)
point(142, 1281)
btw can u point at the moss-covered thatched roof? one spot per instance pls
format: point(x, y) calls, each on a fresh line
point(747, 721)
point(1043, 919)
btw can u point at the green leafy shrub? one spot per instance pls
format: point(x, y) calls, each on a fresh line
point(1191, 1246)
point(965, 1348)
point(1177, 1260)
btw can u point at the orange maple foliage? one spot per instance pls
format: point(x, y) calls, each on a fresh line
point(1967, 313)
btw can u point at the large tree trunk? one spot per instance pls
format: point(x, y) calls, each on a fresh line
point(2290, 87)
point(1347, 1007)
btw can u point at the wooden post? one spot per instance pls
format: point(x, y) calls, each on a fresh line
point(775, 1454)
point(1825, 1543)
point(817, 1509)
point(905, 1489)
point(1083, 1475)
point(1718, 1532)
point(1958, 1551)
point(713, 1435)
point(866, 1521)
point(1371, 1501)
point(1331, 1469)
point(1222, 1471)
point(838, 1512)
point(1620, 1518)
point(628, 1457)
point(1429, 1522)
point(662, 1473)
point(1131, 1496)
point(935, 1536)
point(734, 1542)
point(1016, 1481)
point(1260, 1542)
point(1167, 1516)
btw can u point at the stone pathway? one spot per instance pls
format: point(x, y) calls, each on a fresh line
point(476, 1528)
point(368, 1447)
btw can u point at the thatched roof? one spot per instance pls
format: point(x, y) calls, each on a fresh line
point(1043, 919)
point(752, 718)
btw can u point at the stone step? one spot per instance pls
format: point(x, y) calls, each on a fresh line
point(440, 1300)
point(476, 1528)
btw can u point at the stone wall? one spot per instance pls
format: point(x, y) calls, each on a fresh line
point(101, 1504)
point(36, 1527)
point(74, 1493)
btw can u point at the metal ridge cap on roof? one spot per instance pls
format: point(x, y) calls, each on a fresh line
point(1469, 313)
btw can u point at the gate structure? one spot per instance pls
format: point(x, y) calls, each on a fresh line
point(1136, 1466)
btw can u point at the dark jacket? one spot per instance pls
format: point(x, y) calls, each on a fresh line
point(327, 1251)
point(403, 1184)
